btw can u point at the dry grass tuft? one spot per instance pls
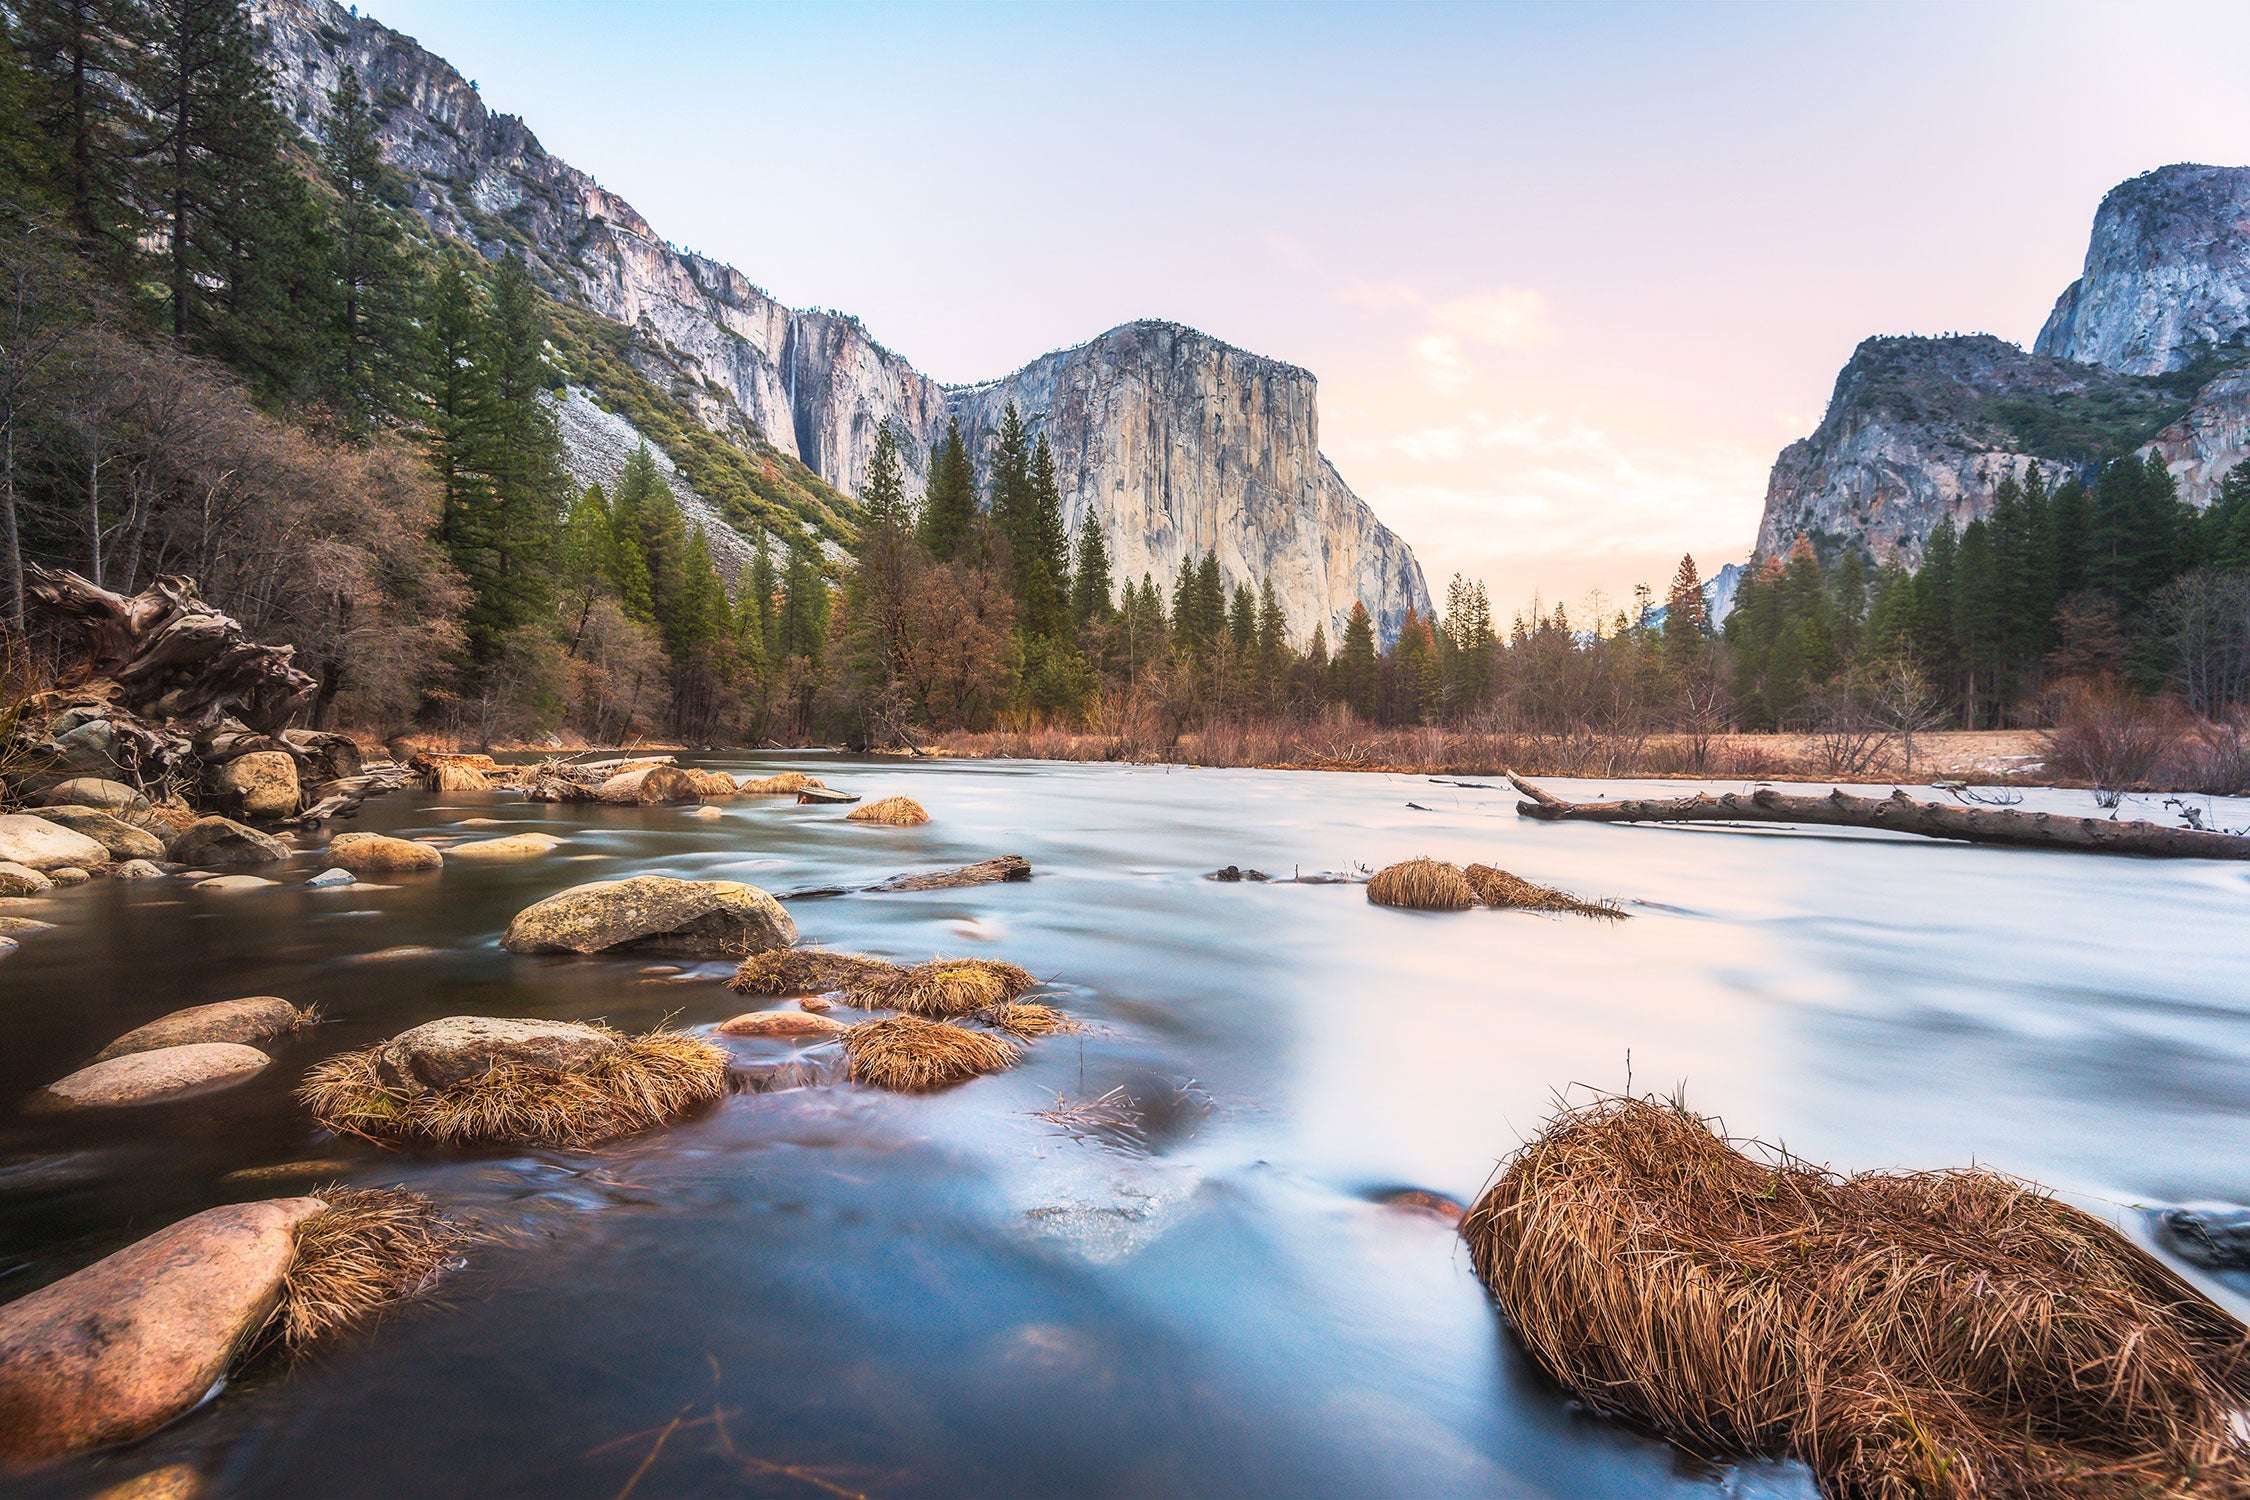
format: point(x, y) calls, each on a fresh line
point(804, 971)
point(1950, 1335)
point(1026, 1019)
point(1423, 885)
point(370, 1248)
point(650, 1080)
point(1514, 893)
point(899, 812)
point(941, 988)
point(909, 1055)
point(791, 782)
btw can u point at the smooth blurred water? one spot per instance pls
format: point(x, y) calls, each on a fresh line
point(950, 1296)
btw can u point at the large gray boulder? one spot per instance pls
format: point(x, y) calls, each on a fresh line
point(222, 841)
point(88, 749)
point(94, 791)
point(259, 1018)
point(120, 838)
point(653, 913)
point(262, 784)
point(132, 1341)
point(440, 1054)
point(37, 844)
point(380, 854)
point(156, 1077)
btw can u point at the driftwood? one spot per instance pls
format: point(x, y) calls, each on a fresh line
point(825, 795)
point(987, 872)
point(1898, 813)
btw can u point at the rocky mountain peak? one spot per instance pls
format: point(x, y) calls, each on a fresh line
point(2167, 271)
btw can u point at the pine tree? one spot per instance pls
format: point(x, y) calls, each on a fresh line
point(1090, 601)
point(761, 604)
point(84, 51)
point(1356, 664)
point(1273, 634)
point(454, 401)
point(1210, 600)
point(884, 494)
point(804, 603)
point(696, 616)
point(1976, 621)
point(1687, 623)
point(1050, 541)
point(367, 370)
point(521, 454)
point(585, 560)
point(1009, 499)
point(949, 505)
point(1415, 658)
point(1242, 624)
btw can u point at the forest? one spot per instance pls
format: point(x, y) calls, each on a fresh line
point(230, 352)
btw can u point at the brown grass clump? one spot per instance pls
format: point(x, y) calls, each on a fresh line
point(790, 782)
point(909, 1055)
point(805, 971)
point(1514, 893)
point(942, 987)
point(1027, 1019)
point(899, 812)
point(370, 1247)
point(650, 1080)
point(1953, 1335)
point(1423, 885)
point(711, 786)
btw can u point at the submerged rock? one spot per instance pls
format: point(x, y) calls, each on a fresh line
point(379, 854)
point(229, 884)
point(330, 879)
point(1234, 873)
point(222, 841)
point(258, 1018)
point(24, 924)
point(513, 846)
point(122, 1347)
point(37, 844)
point(172, 1482)
point(122, 839)
point(262, 784)
point(2219, 1238)
point(439, 1054)
point(153, 1077)
point(653, 913)
point(94, 791)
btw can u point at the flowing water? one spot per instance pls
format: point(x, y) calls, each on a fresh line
point(830, 1291)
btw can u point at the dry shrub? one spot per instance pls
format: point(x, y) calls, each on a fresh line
point(942, 987)
point(909, 1055)
point(649, 1080)
point(790, 782)
point(2108, 736)
point(1423, 885)
point(1950, 1335)
point(1509, 892)
point(899, 812)
point(370, 1247)
point(1027, 1019)
point(804, 971)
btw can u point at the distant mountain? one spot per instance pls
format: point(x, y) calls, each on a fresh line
point(1175, 442)
point(1718, 598)
point(2144, 352)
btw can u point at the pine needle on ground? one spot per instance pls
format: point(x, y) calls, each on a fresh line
point(650, 1080)
point(1953, 1335)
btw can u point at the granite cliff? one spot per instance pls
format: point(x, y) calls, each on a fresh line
point(1177, 442)
point(2143, 353)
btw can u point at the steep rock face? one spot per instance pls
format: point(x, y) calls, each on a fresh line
point(597, 443)
point(2167, 271)
point(2210, 439)
point(1181, 444)
point(1174, 459)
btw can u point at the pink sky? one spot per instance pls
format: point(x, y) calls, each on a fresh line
point(1569, 276)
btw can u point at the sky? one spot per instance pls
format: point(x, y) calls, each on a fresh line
point(1569, 276)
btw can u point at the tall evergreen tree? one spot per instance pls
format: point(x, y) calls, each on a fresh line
point(883, 496)
point(85, 50)
point(1356, 663)
point(1090, 600)
point(949, 505)
point(368, 371)
point(1687, 623)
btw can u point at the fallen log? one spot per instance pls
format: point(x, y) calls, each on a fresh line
point(986, 872)
point(1897, 813)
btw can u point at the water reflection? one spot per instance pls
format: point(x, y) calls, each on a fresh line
point(994, 1292)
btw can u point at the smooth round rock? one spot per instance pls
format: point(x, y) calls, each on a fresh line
point(70, 875)
point(129, 1343)
point(380, 854)
point(653, 913)
point(782, 1023)
point(37, 844)
point(137, 869)
point(94, 791)
point(229, 884)
point(222, 841)
point(24, 924)
point(172, 1482)
point(706, 811)
point(121, 839)
point(258, 1018)
point(439, 1054)
point(513, 846)
point(263, 784)
point(153, 1077)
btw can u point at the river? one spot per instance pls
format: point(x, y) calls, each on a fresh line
point(837, 1291)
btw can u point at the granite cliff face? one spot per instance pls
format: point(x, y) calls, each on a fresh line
point(2167, 272)
point(2143, 353)
point(1178, 442)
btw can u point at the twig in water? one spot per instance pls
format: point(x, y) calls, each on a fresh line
point(656, 1448)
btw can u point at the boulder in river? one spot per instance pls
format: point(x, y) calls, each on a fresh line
point(648, 786)
point(137, 869)
point(37, 844)
point(328, 880)
point(782, 1023)
point(122, 839)
point(380, 854)
point(653, 913)
point(262, 784)
point(14, 925)
point(227, 885)
point(94, 791)
point(127, 1344)
point(222, 841)
point(152, 1077)
point(511, 846)
point(72, 875)
point(250, 1021)
point(440, 1054)
point(2216, 1238)
point(22, 880)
